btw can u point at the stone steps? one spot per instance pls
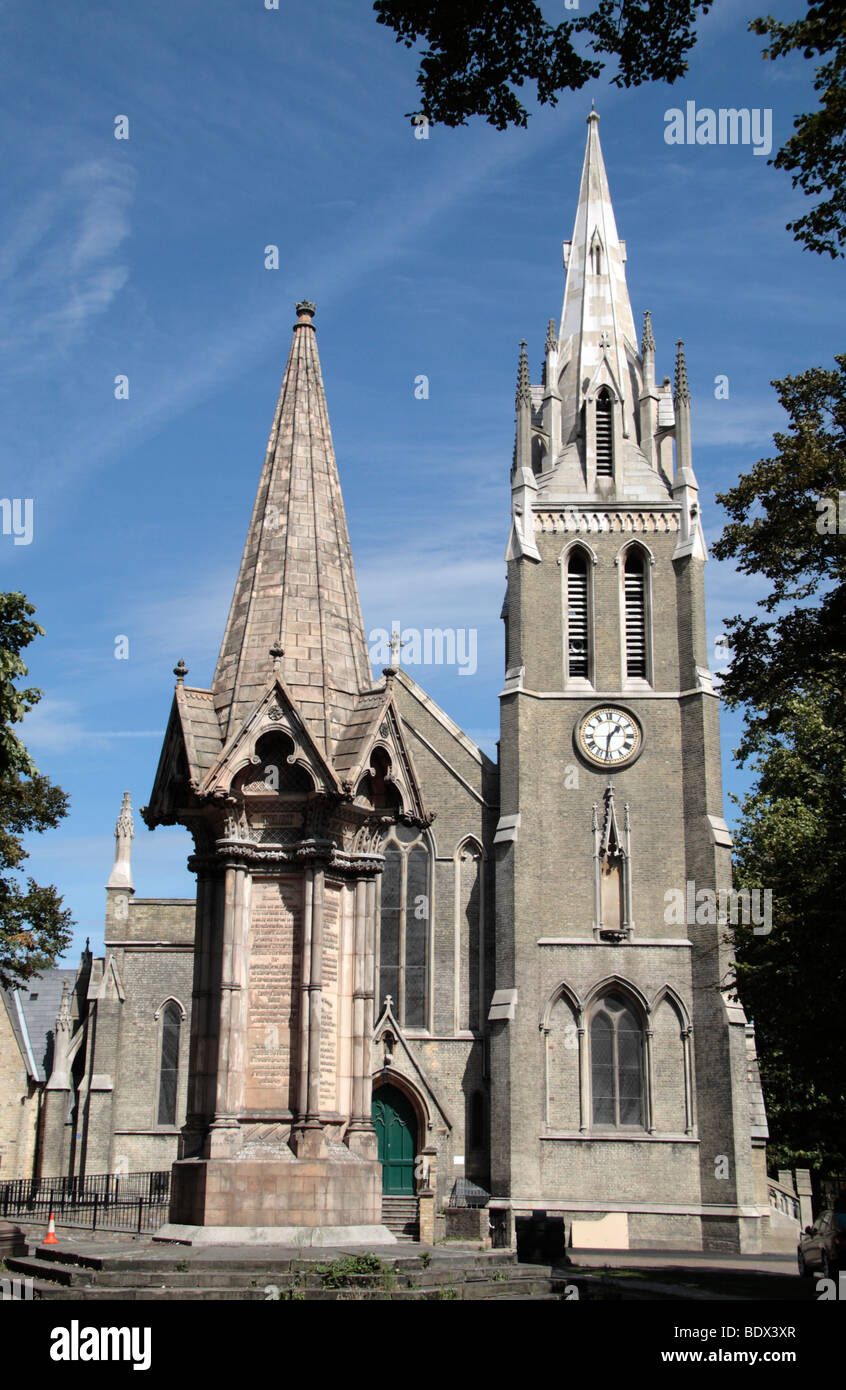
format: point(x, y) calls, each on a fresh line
point(63, 1274)
point(480, 1290)
point(401, 1215)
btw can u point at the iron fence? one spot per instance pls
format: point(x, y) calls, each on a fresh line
point(100, 1202)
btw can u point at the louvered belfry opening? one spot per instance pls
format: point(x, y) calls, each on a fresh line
point(604, 435)
point(635, 577)
point(577, 614)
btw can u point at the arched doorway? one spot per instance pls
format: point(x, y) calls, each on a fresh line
point(396, 1127)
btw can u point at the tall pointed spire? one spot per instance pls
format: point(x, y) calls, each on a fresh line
point(296, 588)
point(598, 435)
point(596, 320)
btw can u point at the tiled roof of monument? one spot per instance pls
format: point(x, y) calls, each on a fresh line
point(200, 728)
point(296, 585)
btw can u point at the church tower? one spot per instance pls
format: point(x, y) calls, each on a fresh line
point(619, 1058)
point(287, 772)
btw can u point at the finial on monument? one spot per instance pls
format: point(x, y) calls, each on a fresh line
point(277, 654)
point(180, 670)
point(681, 390)
point(648, 340)
point(396, 644)
point(551, 336)
point(306, 310)
point(593, 114)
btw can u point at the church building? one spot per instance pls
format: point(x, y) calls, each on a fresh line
point(414, 978)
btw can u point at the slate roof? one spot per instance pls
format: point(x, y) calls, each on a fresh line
point(39, 1002)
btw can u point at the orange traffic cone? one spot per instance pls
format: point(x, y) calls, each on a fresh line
point(50, 1238)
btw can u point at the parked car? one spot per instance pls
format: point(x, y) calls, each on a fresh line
point(822, 1247)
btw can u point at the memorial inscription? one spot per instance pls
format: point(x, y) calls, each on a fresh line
point(273, 999)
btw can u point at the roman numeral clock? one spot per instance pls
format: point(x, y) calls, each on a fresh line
point(609, 737)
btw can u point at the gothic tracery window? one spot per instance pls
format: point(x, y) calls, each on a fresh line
point(616, 1064)
point(169, 1063)
point(405, 917)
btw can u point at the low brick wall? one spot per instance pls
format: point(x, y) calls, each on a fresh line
point(468, 1223)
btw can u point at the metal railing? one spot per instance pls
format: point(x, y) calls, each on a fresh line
point(100, 1202)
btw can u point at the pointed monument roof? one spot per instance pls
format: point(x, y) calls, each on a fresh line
point(596, 320)
point(296, 588)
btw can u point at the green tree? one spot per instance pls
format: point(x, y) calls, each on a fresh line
point(34, 927)
point(787, 673)
point(782, 529)
point(816, 154)
point(478, 54)
point(792, 980)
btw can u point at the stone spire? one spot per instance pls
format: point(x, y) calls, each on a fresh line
point(296, 587)
point(596, 320)
point(59, 1079)
point(685, 487)
point(121, 875)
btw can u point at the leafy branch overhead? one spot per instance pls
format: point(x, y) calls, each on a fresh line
point(476, 56)
point(477, 52)
point(34, 927)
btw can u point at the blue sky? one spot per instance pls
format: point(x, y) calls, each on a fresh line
point(145, 257)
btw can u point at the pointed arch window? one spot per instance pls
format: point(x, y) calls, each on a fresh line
point(604, 434)
point(635, 617)
point(169, 1063)
point(404, 943)
point(616, 1064)
point(577, 597)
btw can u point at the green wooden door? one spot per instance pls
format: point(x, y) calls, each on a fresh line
point(394, 1122)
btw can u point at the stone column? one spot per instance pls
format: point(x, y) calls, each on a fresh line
point(305, 986)
point(361, 1136)
point(202, 1063)
point(688, 1081)
point(237, 989)
point(309, 1140)
point(223, 1136)
point(584, 1117)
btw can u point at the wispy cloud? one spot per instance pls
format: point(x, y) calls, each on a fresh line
point(57, 726)
point(61, 263)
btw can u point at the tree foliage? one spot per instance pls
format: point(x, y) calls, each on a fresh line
point(779, 511)
point(478, 54)
point(816, 153)
point(792, 981)
point(34, 927)
point(787, 672)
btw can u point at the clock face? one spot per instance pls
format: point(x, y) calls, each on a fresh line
point(609, 737)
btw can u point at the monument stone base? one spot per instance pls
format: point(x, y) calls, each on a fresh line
point(275, 1192)
point(294, 1237)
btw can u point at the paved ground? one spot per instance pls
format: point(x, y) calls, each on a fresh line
point(657, 1273)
